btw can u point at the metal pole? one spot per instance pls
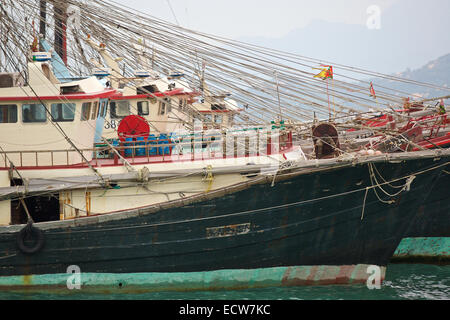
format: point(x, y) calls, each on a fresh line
point(43, 11)
point(278, 93)
point(60, 12)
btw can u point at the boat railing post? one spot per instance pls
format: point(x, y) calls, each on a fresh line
point(224, 145)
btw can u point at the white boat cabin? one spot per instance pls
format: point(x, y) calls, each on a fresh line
point(42, 110)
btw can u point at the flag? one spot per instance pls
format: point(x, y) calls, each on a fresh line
point(442, 107)
point(372, 91)
point(325, 73)
point(406, 103)
point(34, 45)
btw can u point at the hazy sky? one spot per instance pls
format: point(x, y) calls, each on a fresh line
point(269, 18)
point(411, 34)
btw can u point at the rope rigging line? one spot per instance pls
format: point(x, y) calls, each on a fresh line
point(180, 45)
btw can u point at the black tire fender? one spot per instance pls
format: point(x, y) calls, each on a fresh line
point(35, 233)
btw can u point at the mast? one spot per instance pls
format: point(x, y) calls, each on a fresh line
point(43, 12)
point(111, 62)
point(60, 13)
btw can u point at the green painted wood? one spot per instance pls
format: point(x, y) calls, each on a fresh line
point(191, 281)
point(423, 249)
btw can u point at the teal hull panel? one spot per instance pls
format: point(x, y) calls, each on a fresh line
point(190, 281)
point(423, 250)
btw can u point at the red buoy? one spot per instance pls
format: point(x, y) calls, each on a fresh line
point(133, 126)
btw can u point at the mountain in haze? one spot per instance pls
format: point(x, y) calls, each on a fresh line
point(435, 72)
point(394, 47)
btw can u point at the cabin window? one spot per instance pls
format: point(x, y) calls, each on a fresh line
point(218, 119)
point(120, 109)
point(63, 112)
point(143, 109)
point(208, 117)
point(182, 104)
point(33, 113)
point(147, 89)
point(218, 107)
point(94, 111)
point(85, 111)
point(70, 89)
point(8, 113)
point(104, 108)
point(101, 109)
point(164, 107)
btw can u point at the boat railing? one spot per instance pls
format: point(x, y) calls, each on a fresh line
point(139, 152)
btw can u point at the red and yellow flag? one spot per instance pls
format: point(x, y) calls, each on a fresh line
point(372, 91)
point(326, 73)
point(35, 44)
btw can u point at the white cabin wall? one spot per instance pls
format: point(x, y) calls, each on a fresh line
point(177, 117)
point(5, 205)
point(93, 202)
point(45, 137)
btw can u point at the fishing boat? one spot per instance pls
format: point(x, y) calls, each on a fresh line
point(219, 209)
point(200, 213)
point(420, 127)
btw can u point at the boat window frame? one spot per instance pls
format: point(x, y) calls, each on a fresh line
point(94, 110)
point(33, 120)
point(71, 105)
point(218, 116)
point(113, 105)
point(209, 117)
point(140, 109)
point(105, 104)
point(101, 109)
point(8, 108)
point(165, 107)
point(169, 105)
point(85, 111)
